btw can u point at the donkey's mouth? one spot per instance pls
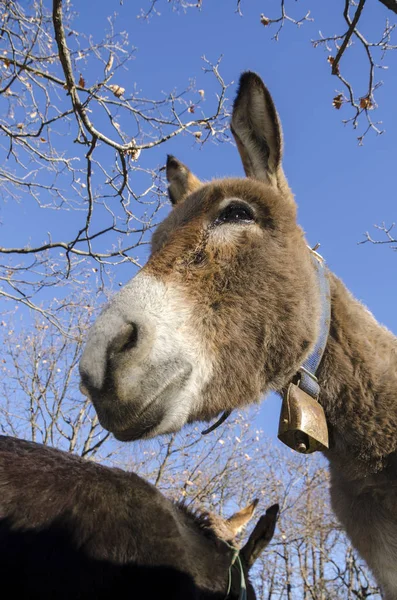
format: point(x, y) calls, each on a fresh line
point(135, 433)
point(159, 414)
point(130, 435)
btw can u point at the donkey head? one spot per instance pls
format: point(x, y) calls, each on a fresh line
point(227, 306)
point(226, 530)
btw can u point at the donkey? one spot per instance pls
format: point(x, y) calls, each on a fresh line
point(70, 528)
point(229, 307)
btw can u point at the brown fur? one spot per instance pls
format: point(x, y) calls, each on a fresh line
point(70, 528)
point(247, 325)
point(253, 298)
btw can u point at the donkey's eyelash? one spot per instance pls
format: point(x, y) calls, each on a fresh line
point(235, 212)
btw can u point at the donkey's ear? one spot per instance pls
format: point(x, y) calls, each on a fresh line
point(261, 536)
point(181, 180)
point(237, 521)
point(257, 131)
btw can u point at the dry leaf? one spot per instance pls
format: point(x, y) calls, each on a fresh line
point(20, 126)
point(202, 93)
point(264, 20)
point(117, 90)
point(81, 81)
point(7, 63)
point(43, 140)
point(366, 103)
point(134, 153)
point(337, 101)
point(191, 109)
point(197, 134)
point(331, 61)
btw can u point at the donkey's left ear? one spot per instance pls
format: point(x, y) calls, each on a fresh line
point(181, 180)
point(257, 131)
point(261, 536)
point(237, 521)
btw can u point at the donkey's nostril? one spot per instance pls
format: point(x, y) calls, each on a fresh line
point(126, 340)
point(132, 338)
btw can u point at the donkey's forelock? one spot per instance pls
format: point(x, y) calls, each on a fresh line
point(226, 307)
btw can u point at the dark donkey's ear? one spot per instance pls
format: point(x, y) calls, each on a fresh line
point(257, 131)
point(181, 180)
point(261, 536)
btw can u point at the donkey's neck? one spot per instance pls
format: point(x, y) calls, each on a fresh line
point(202, 555)
point(358, 380)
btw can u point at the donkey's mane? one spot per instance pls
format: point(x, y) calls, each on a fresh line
point(204, 521)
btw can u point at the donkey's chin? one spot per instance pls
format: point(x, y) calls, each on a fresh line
point(137, 432)
point(166, 412)
point(148, 430)
point(156, 422)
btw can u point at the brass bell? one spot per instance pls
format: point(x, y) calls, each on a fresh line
point(303, 426)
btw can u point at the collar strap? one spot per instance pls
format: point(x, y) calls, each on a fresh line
point(303, 424)
point(236, 560)
point(217, 423)
point(307, 372)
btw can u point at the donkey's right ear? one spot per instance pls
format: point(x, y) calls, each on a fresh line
point(257, 131)
point(261, 536)
point(181, 180)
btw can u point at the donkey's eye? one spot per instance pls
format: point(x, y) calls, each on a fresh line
point(236, 212)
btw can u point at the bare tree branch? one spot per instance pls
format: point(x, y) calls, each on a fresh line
point(337, 45)
point(283, 19)
point(352, 26)
point(98, 178)
point(388, 237)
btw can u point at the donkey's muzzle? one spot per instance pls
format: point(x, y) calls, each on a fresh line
point(143, 365)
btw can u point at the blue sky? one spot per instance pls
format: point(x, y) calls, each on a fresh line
point(341, 189)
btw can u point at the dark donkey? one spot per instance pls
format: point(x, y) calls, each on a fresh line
point(228, 307)
point(70, 528)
